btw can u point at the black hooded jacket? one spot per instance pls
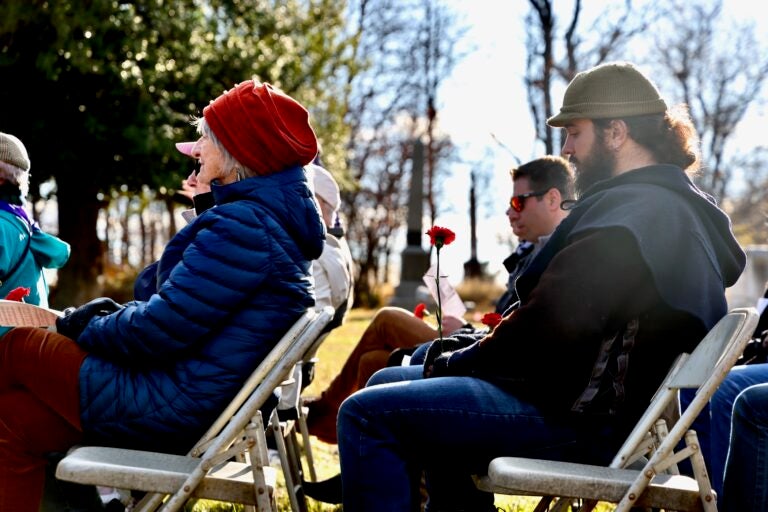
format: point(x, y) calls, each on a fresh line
point(635, 275)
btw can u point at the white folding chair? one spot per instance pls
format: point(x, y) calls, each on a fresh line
point(657, 484)
point(283, 424)
point(289, 420)
point(292, 411)
point(208, 471)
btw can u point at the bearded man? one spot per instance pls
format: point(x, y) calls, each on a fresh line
point(635, 275)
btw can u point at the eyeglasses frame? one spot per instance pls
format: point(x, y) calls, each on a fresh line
point(520, 198)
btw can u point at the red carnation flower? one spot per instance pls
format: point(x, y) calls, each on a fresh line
point(440, 236)
point(491, 319)
point(18, 294)
point(420, 311)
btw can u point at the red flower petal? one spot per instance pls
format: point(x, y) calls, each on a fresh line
point(491, 319)
point(439, 236)
point(18, 294)
point(420, 311)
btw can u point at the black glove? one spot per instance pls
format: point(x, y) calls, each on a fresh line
point(74, 321)
point(452, 362)
point(438, 348)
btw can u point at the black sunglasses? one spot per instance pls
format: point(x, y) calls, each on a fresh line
point(517, 203)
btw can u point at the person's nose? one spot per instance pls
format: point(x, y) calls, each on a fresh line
point(196, 148)
point(567, 150)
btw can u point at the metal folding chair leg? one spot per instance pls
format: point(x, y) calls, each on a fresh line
point(291, 473)
point(302, 422)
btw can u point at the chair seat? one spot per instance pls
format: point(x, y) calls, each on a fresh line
point(159, 472)
point(545, 478)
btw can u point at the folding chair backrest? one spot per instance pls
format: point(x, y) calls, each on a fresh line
point(714, 350)
point(704, 369)
point(255, 378)
point(262, 384)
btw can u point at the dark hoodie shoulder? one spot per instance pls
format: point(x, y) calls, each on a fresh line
point(682, 234)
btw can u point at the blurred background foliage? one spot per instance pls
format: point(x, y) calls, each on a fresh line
point(99, 90)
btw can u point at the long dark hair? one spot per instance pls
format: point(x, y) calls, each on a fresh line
point(670, 137)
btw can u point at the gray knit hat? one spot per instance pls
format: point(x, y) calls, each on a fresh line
point(13, 152)
point(611, 90)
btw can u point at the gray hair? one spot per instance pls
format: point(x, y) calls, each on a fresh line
point(15, 175)
point(230, 161)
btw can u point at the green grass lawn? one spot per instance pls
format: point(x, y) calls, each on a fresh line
point(332, 355)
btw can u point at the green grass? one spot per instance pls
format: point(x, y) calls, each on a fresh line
point(332, 355)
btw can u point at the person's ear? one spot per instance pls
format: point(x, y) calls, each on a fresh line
point(617, 134)
point(553, 198)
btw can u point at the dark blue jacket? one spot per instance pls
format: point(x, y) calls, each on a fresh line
point(229, 285)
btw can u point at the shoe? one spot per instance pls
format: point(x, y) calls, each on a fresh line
point(321, 420)
point(327, 491)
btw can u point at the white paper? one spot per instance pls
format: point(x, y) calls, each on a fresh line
point(450, 301)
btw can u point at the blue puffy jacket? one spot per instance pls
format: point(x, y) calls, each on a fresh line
point(229, 285)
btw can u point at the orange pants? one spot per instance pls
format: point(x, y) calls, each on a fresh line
point(390, 328)
point(39, 410)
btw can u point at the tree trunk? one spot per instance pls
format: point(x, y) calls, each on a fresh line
point(78, 211)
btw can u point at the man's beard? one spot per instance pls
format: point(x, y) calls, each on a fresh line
point(598, 165)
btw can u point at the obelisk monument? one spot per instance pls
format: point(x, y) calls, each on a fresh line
point(414, 260)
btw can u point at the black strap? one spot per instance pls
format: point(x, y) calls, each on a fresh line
point(19, 261)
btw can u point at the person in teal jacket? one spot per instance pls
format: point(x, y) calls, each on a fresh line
point(25, 250)
point(154, 374)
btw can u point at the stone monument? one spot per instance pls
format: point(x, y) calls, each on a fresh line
point(472, 267)
point(414, 260)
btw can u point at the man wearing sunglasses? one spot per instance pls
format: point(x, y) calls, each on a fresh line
point(635, 275)
point(540, 186)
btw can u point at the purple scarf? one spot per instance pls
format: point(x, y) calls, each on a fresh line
point(20, 212)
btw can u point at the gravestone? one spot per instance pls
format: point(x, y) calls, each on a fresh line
point(414, 260)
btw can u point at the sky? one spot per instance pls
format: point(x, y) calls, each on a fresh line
point(483, 103)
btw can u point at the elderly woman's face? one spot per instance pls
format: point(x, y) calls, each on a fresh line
point(212, 163)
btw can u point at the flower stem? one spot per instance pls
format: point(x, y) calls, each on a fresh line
point(439, 312)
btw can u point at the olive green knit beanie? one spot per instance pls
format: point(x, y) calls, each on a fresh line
point(610, 90)
point(13, 152)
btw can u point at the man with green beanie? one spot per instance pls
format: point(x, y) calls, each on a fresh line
point(635, 275)
point(24, 249)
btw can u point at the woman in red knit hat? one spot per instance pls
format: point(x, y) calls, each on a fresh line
point(154, 374)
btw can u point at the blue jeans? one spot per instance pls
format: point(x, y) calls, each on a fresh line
point(745, 485)
point(713, 426)
point(450, 427)
point(418, 356)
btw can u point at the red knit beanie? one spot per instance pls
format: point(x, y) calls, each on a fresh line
point(264, 129)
